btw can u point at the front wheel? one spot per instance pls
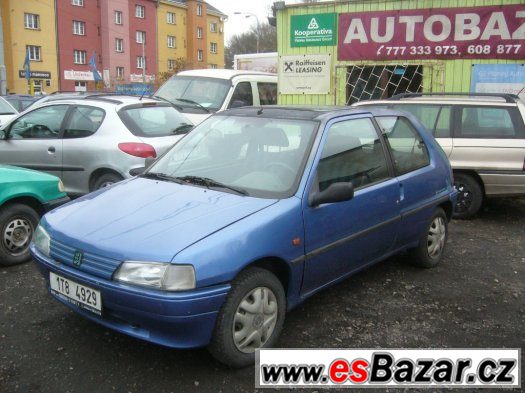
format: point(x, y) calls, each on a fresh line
point(252, 317)
point(17, 225)
point(432, 244)
point(106, 180)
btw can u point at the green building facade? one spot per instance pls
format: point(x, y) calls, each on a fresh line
point(357, 78)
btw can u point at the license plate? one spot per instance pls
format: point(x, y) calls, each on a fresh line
point(75, 293)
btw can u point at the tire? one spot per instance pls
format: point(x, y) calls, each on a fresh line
point(17, 226)
point(470, 196)
point(235, 315)
point(432, 244)
point(105, 180)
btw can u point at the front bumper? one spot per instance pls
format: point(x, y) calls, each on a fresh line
point(173, 319)
point(54, 203)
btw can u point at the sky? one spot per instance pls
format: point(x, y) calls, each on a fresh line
point(237, 24)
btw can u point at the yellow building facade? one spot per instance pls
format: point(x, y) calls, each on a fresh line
point(29, 25)
point(181, 32)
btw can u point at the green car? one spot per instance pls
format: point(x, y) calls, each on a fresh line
point(25, 195)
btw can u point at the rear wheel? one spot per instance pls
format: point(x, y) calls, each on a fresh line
point(106, 180)
point(17, 225)
point(470, 196)
point(252, 317)
point(432, 244)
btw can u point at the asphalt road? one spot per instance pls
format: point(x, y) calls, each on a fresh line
point(474, 299)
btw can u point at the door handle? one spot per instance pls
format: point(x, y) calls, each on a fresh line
point(51, 150)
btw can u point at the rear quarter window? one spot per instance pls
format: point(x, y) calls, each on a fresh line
point(152, 121)
point(435, 118)
point(490, 122)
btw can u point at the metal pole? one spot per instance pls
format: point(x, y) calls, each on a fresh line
point(3, 77)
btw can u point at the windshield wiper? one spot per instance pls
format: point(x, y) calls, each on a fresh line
point(178, 107)
point(160, 176)
point(207, 182)
point(194, 103)
point(182, 129)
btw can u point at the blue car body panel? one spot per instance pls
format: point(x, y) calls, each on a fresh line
point(221, 233)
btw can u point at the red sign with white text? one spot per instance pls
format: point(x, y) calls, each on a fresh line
point(440, 33)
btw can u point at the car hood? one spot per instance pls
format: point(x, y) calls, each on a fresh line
point(147, 220)
point(15, 174)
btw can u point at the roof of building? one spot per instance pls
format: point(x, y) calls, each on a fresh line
point(210, 7)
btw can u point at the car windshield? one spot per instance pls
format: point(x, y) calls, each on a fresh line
point(260, 157)
point(195, 94)
point(5, 108)
point(154, 120)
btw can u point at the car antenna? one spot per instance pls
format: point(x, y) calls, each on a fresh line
point(143, 92)
point(259, 112)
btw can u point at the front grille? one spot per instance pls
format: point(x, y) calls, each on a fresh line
point(92, 264)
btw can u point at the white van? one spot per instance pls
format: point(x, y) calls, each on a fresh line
point(200, 93)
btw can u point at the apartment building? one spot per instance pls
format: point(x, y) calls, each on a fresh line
point(128, 41)
point(29, 27)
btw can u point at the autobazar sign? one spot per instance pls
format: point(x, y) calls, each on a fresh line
point(313, 30)
point(446, 33)
point(304, 74)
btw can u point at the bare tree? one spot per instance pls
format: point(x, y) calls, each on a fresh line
point(247, 43)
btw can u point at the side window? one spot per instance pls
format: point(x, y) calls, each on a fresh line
point(490, 122)
point(42, 123)
point(352, 153)
point(267, 93)
point(435, 118)
point(407, 147)
point(83, 122)
point(242, 96)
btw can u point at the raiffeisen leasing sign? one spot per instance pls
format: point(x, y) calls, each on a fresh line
point(304, 74)
point(440, 33)
point(313, 30)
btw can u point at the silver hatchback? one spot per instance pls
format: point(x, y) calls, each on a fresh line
point(93, 142)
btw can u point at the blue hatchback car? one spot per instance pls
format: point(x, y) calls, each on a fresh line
point(252, 212)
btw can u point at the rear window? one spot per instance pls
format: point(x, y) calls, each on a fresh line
point(152, 121)
point(490, 122)
point(5, 108)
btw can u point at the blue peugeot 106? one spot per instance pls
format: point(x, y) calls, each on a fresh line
point(252, 212)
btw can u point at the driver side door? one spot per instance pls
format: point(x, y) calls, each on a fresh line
point(34, 140)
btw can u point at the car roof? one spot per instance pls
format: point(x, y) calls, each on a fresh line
point(106, 100)
point(222, 73)
point(305, 112)
point(447, 98)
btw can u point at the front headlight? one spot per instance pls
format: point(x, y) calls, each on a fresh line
point(165, 276)
point(61, 186)
point(42, 241)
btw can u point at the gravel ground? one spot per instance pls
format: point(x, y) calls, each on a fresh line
point(474, 299)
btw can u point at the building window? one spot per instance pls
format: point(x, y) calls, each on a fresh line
point(118, 17)
point(79, 3)
point(171, 64)
point(79, 56)
point(170, 18)
point(34, 52)
point(199, 32)
point(79, 28)
point(120, 73)
point(31, 21)
point(80, 86)
point(213, 27)
point(199, 55)
point(140, 37)
point(213, 66)
point(213, 47)
point(140, 62)
point(119, 45)
point(171, 41)
point(139, 11)
point(199, 9)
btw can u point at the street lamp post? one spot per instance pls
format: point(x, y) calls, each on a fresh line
point(247, 15)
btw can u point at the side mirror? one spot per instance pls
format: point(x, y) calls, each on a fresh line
point(149, 162)
point(336, 192)
point(138, 171)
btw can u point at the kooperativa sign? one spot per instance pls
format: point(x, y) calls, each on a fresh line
point(313, 30)
point(304, 74)
point(439, 33)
